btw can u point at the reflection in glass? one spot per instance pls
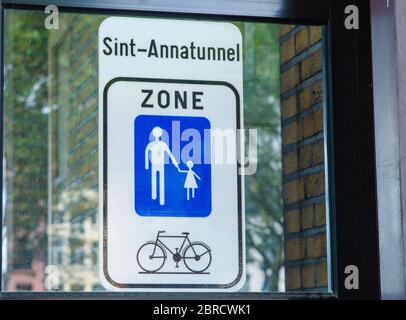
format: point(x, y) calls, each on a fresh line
point(50, 229)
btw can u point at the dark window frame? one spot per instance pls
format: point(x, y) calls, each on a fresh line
point(349, 129)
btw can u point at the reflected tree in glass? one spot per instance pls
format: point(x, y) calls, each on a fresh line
point(263, 190)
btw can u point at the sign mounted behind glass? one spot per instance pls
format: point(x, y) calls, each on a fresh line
point(172, 214)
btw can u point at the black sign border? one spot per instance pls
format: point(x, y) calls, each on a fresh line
point(239, 186)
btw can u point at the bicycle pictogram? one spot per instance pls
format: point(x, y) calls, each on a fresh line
point(152, 255)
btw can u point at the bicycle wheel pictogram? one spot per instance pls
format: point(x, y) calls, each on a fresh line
point(197, 257)
point(151, 257)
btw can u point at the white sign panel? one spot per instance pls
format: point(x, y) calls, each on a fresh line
point(172, 211)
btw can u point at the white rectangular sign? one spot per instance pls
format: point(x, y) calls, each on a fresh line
point(171, 187)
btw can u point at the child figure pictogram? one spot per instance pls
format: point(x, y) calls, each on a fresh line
point(190, 182)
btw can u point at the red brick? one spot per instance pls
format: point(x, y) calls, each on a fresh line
point(307, 217)
point(293, 191)
point(292, 221)
point(292, 278)
point(309, 276)
point(311, 65)
point(294, 249)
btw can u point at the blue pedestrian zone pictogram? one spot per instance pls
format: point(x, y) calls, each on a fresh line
point(171, 176)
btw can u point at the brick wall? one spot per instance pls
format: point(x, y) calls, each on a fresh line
point(303, 158)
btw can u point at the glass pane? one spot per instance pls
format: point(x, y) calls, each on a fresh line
point(50, 187)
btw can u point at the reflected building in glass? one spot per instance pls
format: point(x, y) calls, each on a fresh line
point(73, 154)
point(24, 164)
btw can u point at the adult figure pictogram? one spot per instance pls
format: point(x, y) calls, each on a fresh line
point(155, 153)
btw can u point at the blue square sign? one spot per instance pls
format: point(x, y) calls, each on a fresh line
point(172, 170)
